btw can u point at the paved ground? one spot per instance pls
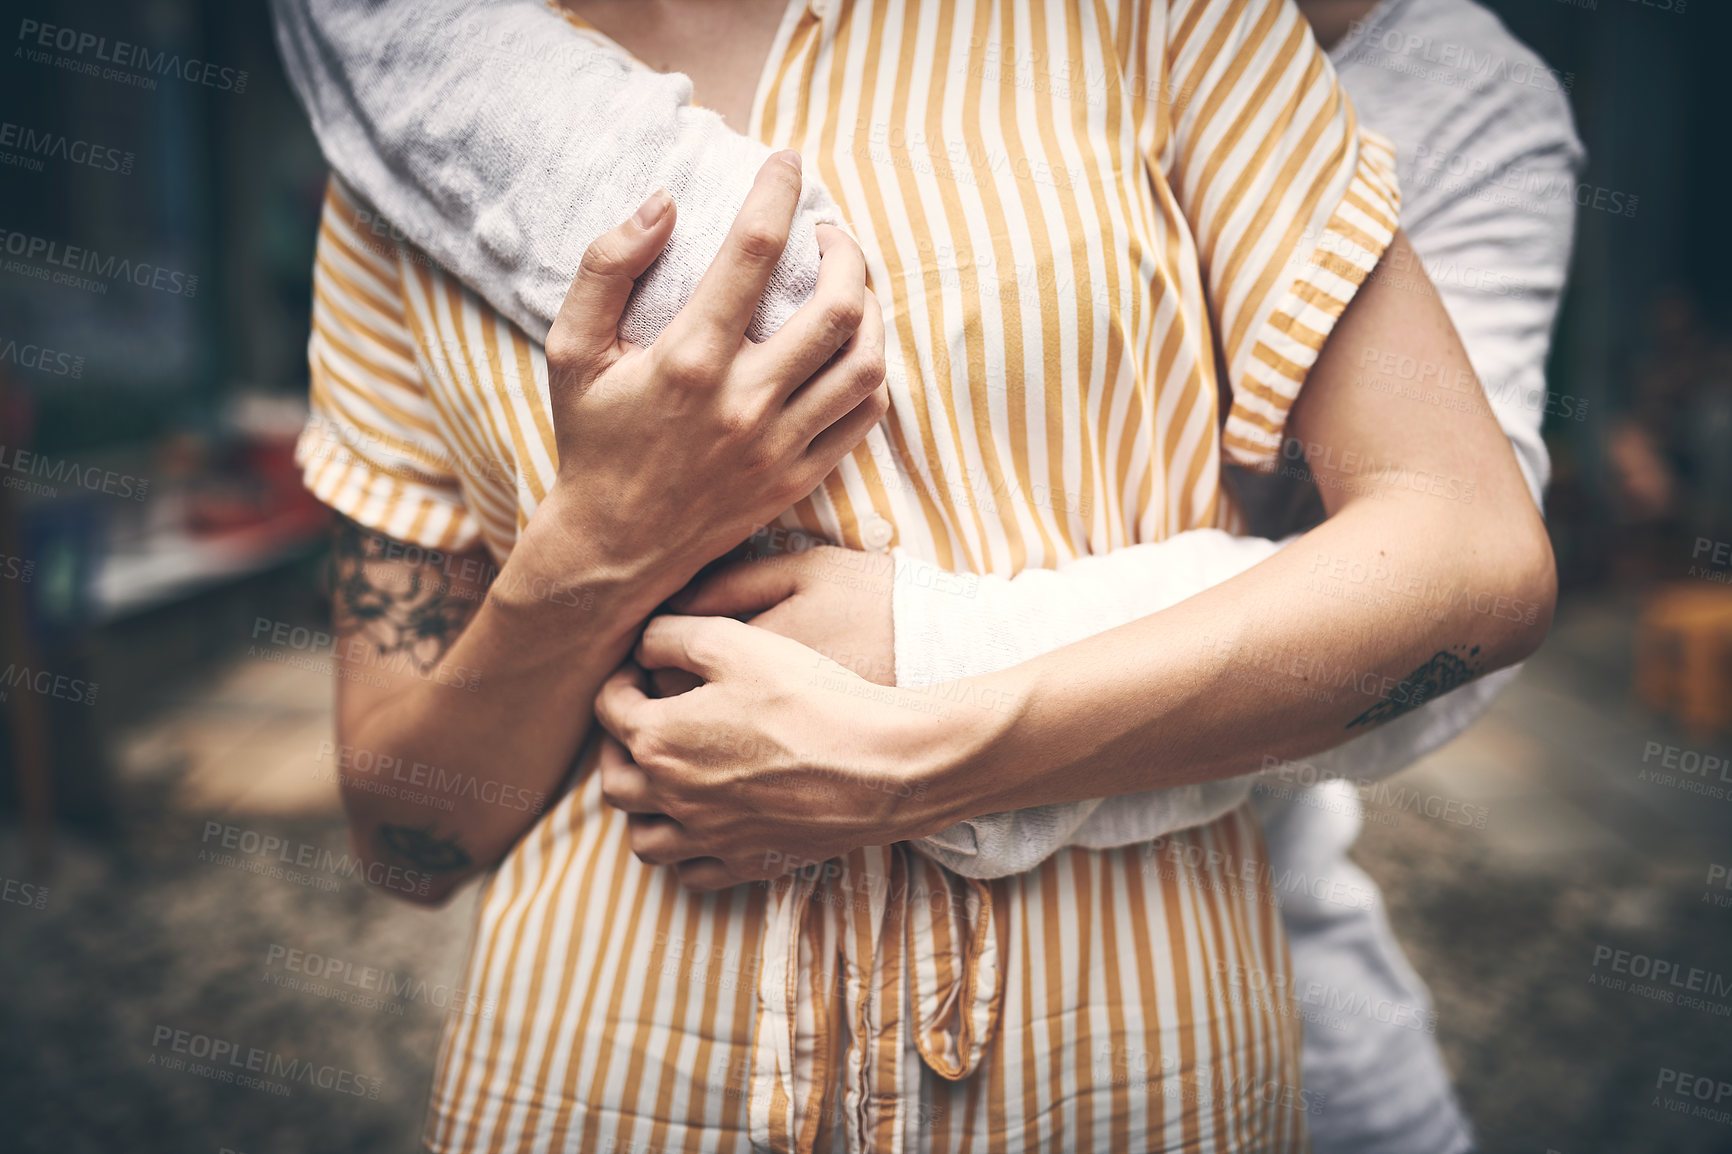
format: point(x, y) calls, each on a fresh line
point(146, 935)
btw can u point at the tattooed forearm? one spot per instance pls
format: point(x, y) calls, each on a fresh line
point(1444, 672)
point(423, 848)
point(399, 598)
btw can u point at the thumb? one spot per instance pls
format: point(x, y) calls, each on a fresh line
point(741, 590)
point(706, 646)
point(582, 341)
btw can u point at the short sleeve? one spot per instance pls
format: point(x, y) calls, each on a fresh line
point(1291, 201)
point(372, 448)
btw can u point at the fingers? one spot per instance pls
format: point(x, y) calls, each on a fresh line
point(701, 645)
point(657, 839)
point(584, 338)
point(622, 706)
point(740, 590)
point(826, 322)
point(673, 682)
point(850, 379)
point(715, 318)
point(839, 439)
point(623, 784)
point(706, 874)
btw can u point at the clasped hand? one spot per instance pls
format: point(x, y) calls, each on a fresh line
point(753, 731)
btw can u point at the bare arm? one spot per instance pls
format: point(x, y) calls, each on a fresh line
point(668, 457)
point(458, 675)
point(1284, 659)
point(421, 105)
point(1280, 660)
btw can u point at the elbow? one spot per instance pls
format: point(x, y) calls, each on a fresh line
point(1533, 578)
point(432, 893)
point(413, 883)
point(417, 887)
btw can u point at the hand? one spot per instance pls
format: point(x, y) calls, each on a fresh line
point(834, 601)
point(671, 455)
point(780, 759)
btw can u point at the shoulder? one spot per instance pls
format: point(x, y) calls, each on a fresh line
point(1454, 88)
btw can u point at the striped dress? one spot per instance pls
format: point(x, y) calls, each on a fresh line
point(1109, 239)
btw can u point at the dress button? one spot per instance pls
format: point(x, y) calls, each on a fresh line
point(876, 532)
point(823, 9)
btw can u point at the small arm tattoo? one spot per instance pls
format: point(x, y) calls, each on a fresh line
point(410, 609)
point(423, 848)
point(1443, 672)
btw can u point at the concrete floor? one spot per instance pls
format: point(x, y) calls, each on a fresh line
point(145, 934)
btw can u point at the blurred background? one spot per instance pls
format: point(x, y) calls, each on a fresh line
point(151, 519)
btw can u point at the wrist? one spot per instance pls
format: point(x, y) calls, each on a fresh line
point(958, 752)
point(557, 566)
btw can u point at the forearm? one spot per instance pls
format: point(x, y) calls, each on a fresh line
point(481, 737)
point(1404, 583)
point(1283, 660)
point(501, 141)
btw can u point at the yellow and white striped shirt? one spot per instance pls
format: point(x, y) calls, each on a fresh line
point(1109, 240)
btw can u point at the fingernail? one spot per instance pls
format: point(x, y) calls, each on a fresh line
point(789, 157)
point(652, 209)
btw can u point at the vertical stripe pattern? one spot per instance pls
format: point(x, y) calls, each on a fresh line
point(1109, 239)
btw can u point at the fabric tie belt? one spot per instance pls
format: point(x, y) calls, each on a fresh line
point(908, 944)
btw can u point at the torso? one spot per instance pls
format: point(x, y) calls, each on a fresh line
point(1331, 19)
point(720, 44)
point(1053, 363)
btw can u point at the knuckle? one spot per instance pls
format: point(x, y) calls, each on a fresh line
point(796, 484)
point(872, 364)
point(649, 751)
point(564, 351)
point(842, 317)
point(878, 402)
point(686, 366)
point(760, 461)
point(865, 372)
point(602, 258)
point(740, 423)
point(702, 649)
point(759, 243)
